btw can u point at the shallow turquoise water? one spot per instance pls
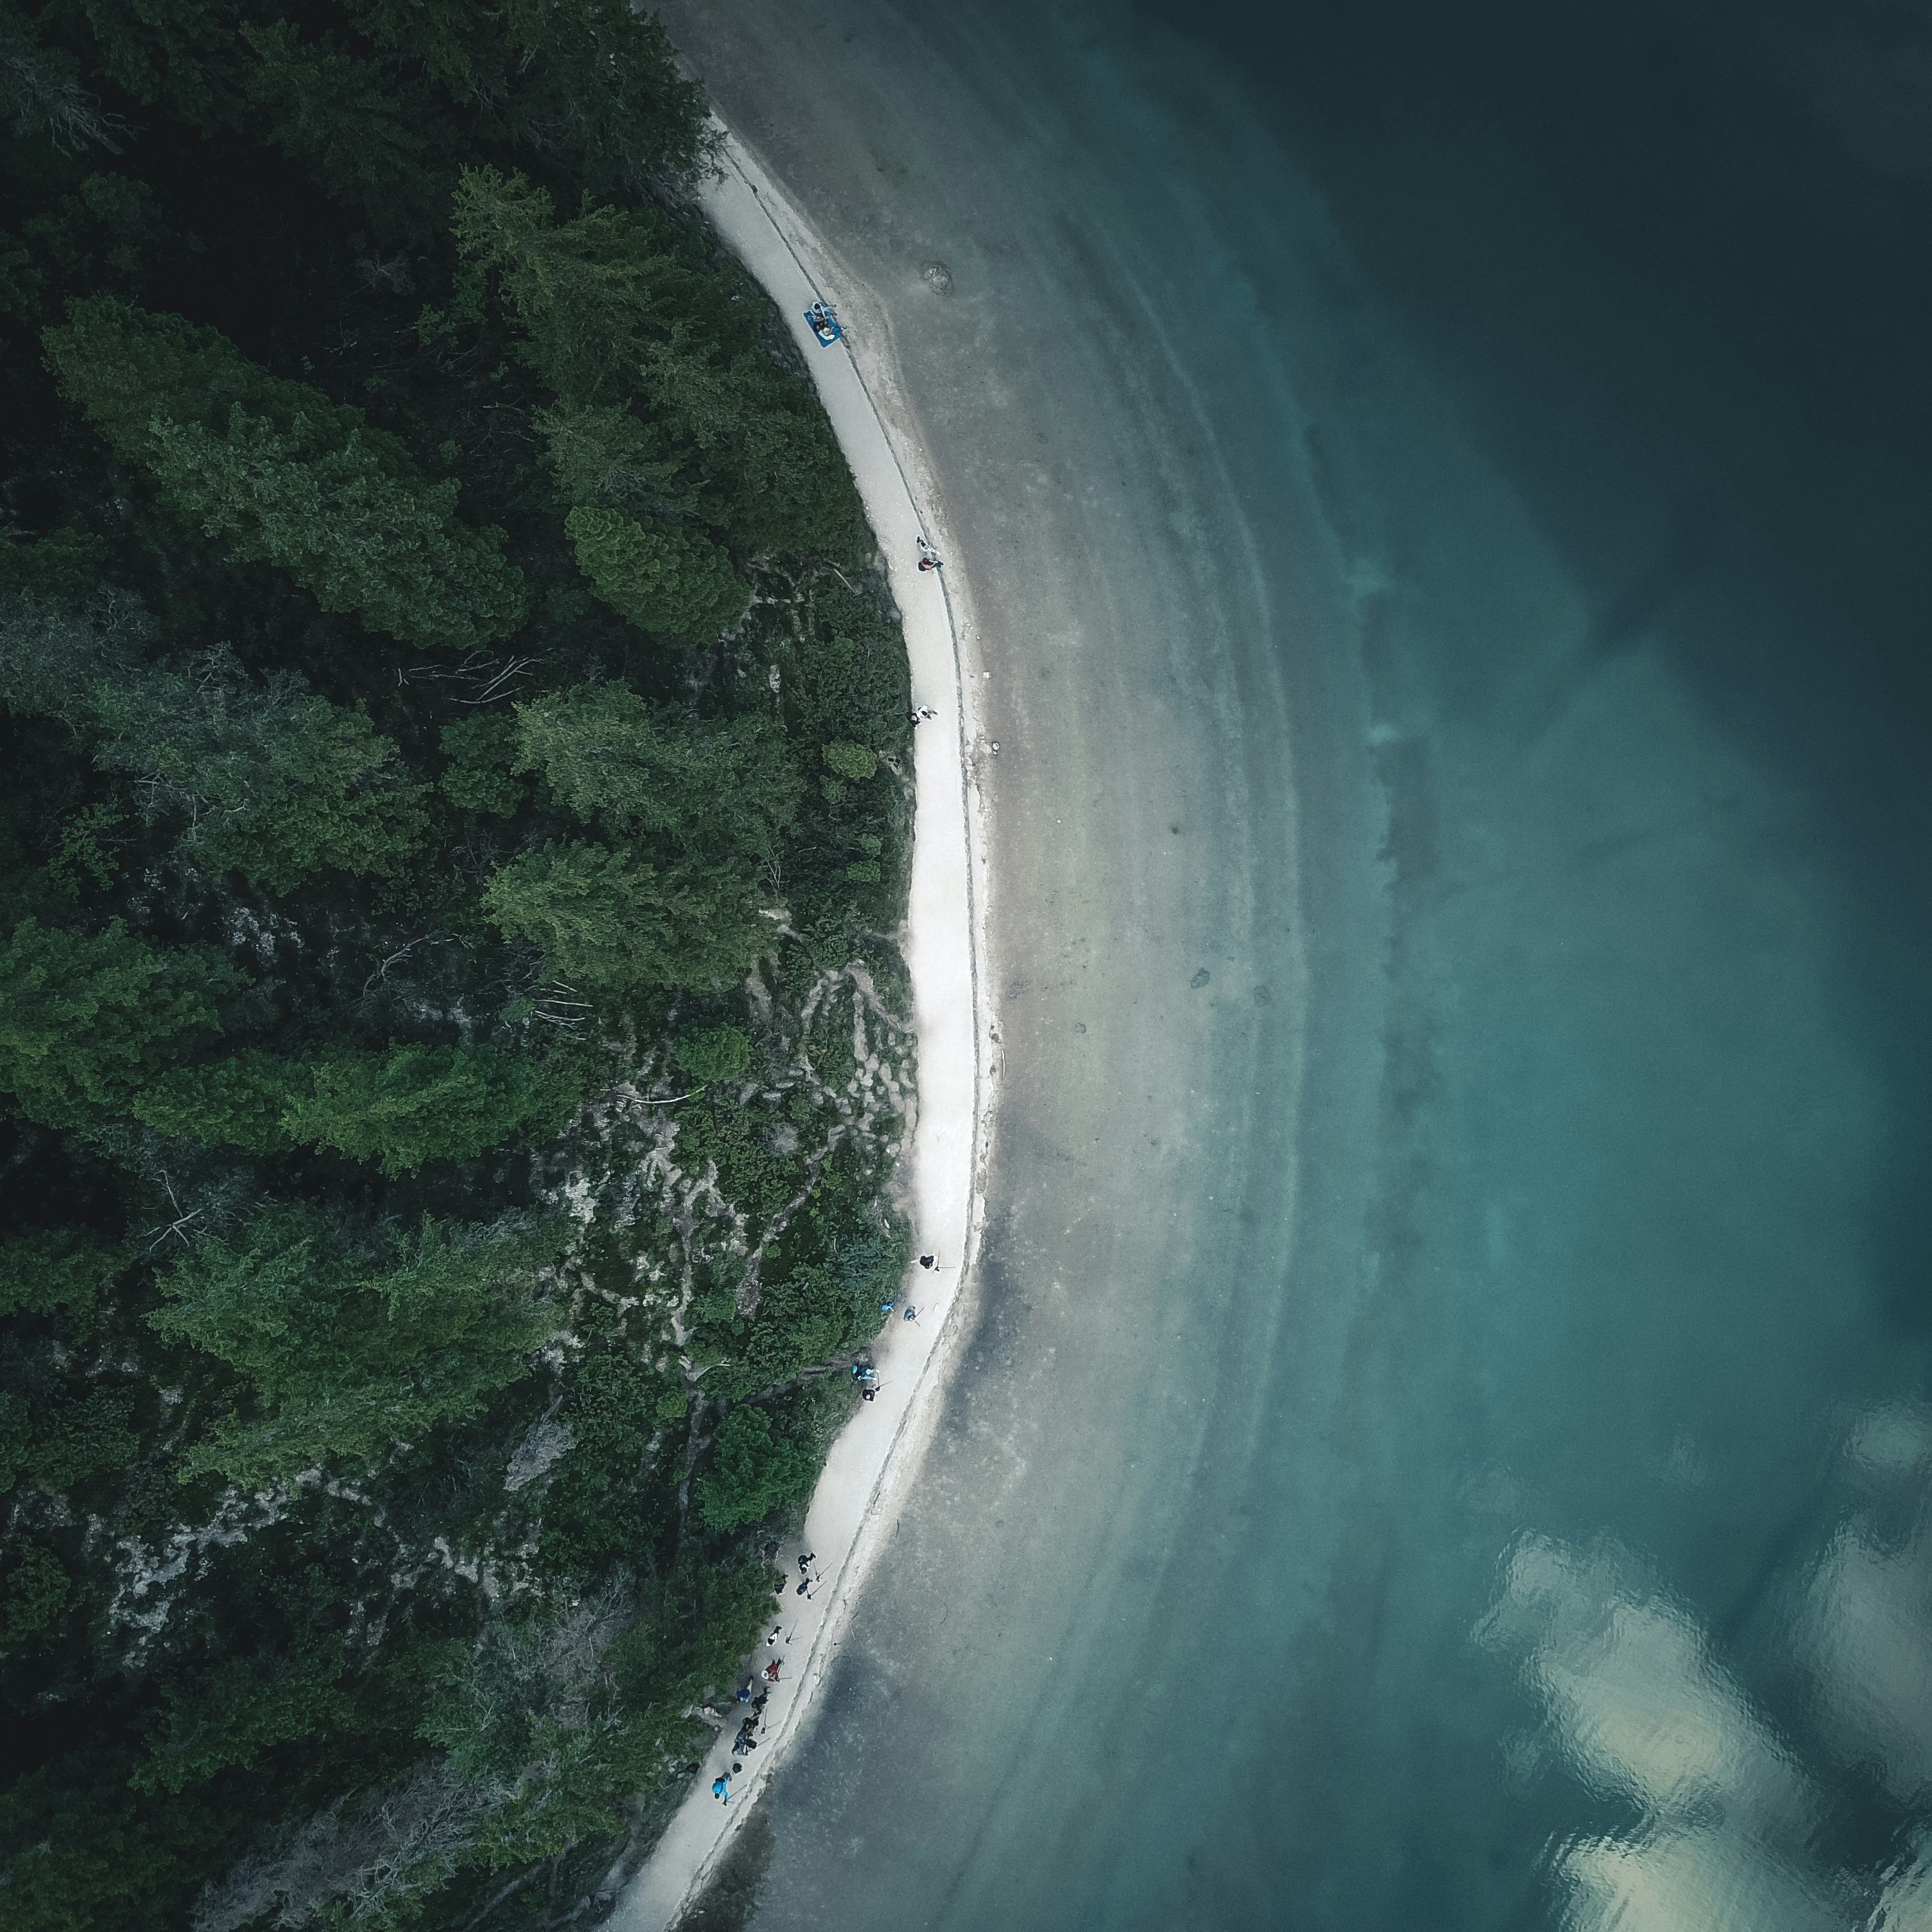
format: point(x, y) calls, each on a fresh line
point(1544, 1405)
point(1636, 1626)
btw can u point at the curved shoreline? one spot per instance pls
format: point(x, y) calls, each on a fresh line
point(878, 1453)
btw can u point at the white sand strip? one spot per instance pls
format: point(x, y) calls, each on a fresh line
point(878, 1454)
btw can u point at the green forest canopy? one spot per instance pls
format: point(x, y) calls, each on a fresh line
point(452, 736)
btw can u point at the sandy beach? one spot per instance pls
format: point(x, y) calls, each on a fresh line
point(1432, 1084)
point(877, 1457)
point(1072, 1529)
point(1409, 1402)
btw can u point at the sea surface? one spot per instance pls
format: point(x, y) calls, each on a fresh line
point(1491, 446)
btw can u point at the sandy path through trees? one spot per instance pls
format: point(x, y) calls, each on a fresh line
point(878, 1455)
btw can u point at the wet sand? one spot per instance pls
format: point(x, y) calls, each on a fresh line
point(1457, 949)
point(1043, 1590)
point(1456, 946)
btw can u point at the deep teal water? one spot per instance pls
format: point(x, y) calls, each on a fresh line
point(1558, 1552)
point(1630, 1624)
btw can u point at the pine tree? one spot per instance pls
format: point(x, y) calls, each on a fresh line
point(413, 1104)
point(697, 810)
point(389, 548)
point(346, 1344)
point(55, 1268)
point(587, 292)
point(616, 320)
point(482, 751)
point(675, 584)
point(604, 454)
point(267, 778)
point(753, 1471)
point(360, 130)
point(610, 921)
point(86, 1019)
point(285, 476)
point(714, 1053)
point(239, 1100)
point(55, 649)
point(728, 790)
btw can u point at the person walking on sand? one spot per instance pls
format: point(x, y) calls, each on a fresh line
point(721, 1790)
point(772, 1672)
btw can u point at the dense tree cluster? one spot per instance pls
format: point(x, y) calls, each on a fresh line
point(452, 823)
